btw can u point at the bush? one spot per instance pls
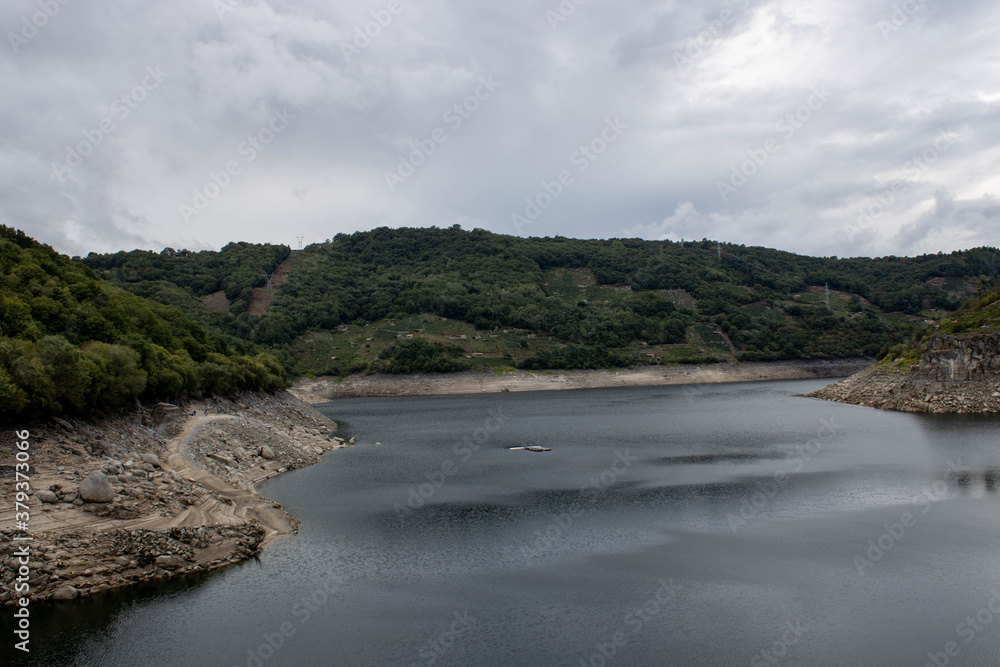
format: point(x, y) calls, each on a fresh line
point(420, 356)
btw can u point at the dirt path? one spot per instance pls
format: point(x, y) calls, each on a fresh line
point(240, 506)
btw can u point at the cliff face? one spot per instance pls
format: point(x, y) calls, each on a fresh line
point(957, 359)
point(957, 374)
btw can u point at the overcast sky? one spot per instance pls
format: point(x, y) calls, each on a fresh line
point(849, 128)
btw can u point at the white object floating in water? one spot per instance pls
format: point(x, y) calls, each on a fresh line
point(532, 448)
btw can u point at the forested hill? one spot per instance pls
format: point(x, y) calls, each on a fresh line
point(215, 288)
point(396, 299)
point(73, 343)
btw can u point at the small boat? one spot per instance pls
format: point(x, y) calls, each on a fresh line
point(531, 448)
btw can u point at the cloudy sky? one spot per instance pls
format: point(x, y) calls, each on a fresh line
point(849, 128)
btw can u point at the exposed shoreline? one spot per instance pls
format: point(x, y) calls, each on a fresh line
point(957, 374)
point(322, 390)
point(181, 491)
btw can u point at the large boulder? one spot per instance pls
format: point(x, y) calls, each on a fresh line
point(267, 453)
point(95, 488)
point(170, 562)
point(47, 496)
point(65, 593)
point(151, 458)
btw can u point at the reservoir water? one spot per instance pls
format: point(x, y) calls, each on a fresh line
point(739, 524)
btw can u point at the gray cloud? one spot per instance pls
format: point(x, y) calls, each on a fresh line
point(702, 88)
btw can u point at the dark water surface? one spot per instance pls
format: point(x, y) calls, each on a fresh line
point(725, 525)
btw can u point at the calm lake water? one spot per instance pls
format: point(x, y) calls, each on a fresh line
point(722, 525)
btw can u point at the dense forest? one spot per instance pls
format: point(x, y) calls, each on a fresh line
point(500, 281)
point(72, 343)
point(572, 303)
point(184, 279)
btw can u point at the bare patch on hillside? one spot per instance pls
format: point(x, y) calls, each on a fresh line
point(261, 298)
point(217, 302)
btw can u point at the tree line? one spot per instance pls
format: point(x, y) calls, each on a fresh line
point(492, 281)
point(73, 343)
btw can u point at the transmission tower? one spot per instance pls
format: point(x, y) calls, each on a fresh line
point(270, 285)
point(301, 239)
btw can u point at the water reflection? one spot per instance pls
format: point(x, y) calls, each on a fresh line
point(969, 482)
point(720, 497)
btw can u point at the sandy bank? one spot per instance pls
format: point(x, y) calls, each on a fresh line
point(320, 390)
point(179, 491)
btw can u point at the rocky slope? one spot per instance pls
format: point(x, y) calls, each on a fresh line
point(159, 492)
point(956, 374)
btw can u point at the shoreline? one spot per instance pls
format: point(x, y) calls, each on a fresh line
point(326, 389)
point(175, 491)
point(956, 374)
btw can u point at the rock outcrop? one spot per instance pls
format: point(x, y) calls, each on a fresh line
point(957, 374)
point(121, 500)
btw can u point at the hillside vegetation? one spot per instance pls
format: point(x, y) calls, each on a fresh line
point(356, 302)
point(981, 312)
point(215, 288)
point(72, 343)
point(978, 315)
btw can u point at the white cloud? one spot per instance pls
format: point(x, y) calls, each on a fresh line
point(892, 93)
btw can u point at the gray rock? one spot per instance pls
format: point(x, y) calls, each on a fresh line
point(169, 562)
point(47, 496)
point(221, 458)
point(78, 502)
point(96, 489)
point(65, 593)
point(151, 458)
point(148, 467)
point(267, 453)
